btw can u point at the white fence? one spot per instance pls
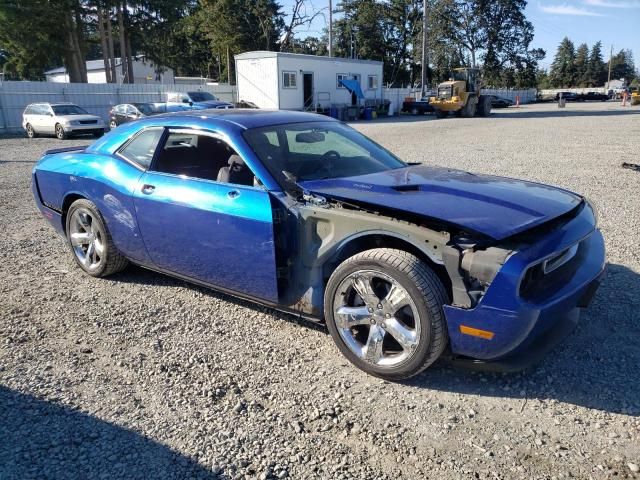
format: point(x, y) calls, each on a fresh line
point(95, 98)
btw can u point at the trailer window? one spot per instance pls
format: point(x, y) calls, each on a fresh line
point(289, 80)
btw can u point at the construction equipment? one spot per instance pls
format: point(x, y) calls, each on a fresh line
point(461, 95)
point(635, 95)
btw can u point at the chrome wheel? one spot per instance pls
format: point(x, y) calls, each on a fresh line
point(376, 318)
point(30, 132)
point(60, 132)
point(112, 125)
point(87, 239)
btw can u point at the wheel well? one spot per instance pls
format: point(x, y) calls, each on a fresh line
point(368, 242)
point(66, 203)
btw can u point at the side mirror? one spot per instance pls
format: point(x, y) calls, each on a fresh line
point(186, 100)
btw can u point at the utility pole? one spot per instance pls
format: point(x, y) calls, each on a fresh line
point(609, 77)
point(228, 66)
point(330, 29)
point(424, 61)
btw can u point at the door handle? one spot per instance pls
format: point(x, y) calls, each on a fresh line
point(148, 189)
point(233, 194)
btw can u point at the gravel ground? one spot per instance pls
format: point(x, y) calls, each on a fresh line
point(144, 376)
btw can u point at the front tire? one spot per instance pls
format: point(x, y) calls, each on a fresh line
point(384, 310)
point(31, 133)
point(441, 113)
point(90, 241)
point(60, 133)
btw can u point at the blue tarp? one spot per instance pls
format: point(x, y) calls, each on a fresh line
point(353, 86)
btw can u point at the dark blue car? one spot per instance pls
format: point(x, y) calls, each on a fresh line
point(302, 213)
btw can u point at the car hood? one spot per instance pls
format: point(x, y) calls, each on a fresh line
point(78, 117)
point(494, 206)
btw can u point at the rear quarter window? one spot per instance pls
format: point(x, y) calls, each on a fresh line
point(140, 150)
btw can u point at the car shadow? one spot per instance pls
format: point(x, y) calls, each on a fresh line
point(43, 439)
point(595, 367)
point(140, 275)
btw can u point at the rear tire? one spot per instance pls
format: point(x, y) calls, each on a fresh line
point(384, 310)
point(484, 106)
point(90, 241)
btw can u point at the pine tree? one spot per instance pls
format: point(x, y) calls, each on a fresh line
point(581, 65)
point(596, 74)
point(563, 69)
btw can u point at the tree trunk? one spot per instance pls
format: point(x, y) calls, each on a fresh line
point(80, 44)
point(112, 55)
point(123, 44)
point(129, 51)
point(71, 53)
point(104, 45)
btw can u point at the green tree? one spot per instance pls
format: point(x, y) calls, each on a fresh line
point(235, 26)
point(596, 73)
point(582, 65)
point(563, 68)
point(622, 66)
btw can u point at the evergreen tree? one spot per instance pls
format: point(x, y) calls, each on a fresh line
point(582, 65)
point(563, 69)
point(596, 74)
point(622, 66)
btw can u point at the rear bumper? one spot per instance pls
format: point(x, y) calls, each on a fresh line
point(530, 327)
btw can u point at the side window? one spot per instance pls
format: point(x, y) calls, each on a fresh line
point(372, 82)
point(141, 149)
point(130, 110)
point(289, 80)
point(341, 76)
point(28, 110)
point(202, 156)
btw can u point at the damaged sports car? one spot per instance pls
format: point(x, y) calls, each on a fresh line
point(405, 263)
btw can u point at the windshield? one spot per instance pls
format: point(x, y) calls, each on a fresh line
point(318, 150)
point(68, 110)
point(201, 96)
point(145, 108)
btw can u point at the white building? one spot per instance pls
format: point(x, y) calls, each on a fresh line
point(291, 81)
point(144, 71)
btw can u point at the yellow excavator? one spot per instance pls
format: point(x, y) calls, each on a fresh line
point(461, 95)
point(635, 95)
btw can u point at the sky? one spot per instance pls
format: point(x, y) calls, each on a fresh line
point(613, 22)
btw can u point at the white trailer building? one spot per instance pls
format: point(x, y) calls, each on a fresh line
point(291, 81)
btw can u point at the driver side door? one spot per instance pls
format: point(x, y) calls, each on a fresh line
point(198, 227)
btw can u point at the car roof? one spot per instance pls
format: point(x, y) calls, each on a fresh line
point(245, 117)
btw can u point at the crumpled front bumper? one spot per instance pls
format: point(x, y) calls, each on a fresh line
point(526, 327)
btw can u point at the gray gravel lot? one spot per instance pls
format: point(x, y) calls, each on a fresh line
point(144, 376)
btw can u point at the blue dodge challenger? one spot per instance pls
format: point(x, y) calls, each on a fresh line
point(405, 263)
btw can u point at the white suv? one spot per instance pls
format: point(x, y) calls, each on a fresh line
point(60, 119)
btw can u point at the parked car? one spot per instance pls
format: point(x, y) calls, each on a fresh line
point(568, 96)
point(177, 101)
point(593, 96)
point(500, 102)
point(302, 213)
point(61, 120)
point(245, 104)
point(127, 112)
point(417, 107)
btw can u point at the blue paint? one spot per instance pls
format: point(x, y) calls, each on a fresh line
point(494, 206)
point(515, 321)
point(193, 228)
